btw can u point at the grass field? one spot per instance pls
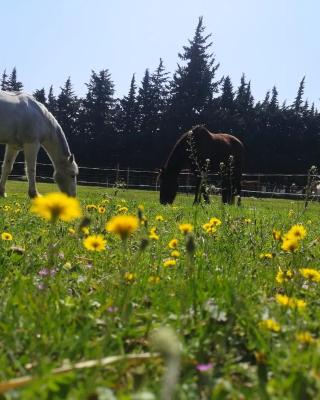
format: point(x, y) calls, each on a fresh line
point(242, 306)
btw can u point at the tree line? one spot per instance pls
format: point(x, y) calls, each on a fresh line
point(139, 129)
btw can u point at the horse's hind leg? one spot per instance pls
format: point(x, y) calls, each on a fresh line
point(30, 155)
point(8, 161)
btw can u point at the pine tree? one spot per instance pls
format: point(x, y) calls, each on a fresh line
point(40, 95)
point(67, 108)
point(227, 96)
point(160, 91)
point(145, 103)
point(13, 85)
point(274, 103)
point(4, 81)
point(193, 84)
point(297, 105)
point(98, 107)
point(52, 102)
point(130, 111)
point(244, 99)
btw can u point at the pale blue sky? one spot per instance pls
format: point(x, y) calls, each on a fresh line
point(274, 42)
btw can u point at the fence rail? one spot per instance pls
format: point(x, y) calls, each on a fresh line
point(253, 184)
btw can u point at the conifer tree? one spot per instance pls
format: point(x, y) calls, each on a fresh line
point(274, 103)
point(98, 107)
point(244, 99)
point(13, 85)
point(130, 111)
point(67, 108)
point(160, 91)
point(297, 105)
point(40, 95)
point(52, 102)
point(227, 95)
point(4, 81)
point(193, 83)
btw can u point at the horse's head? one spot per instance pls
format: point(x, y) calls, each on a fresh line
point(168, 187)
point(65, 176)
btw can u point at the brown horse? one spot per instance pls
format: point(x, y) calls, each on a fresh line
point(203, 151)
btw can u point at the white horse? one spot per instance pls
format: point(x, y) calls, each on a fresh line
point(25, 124)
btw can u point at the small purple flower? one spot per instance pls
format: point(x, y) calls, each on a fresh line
point(53, 271)
point(112, 309)
point(204, 367)
point(44, 272)
point(40, 286)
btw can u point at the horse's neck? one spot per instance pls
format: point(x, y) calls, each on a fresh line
point(178, 157)
point(56, 146)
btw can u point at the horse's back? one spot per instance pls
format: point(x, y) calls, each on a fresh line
point(218, 147)
point(20, 118)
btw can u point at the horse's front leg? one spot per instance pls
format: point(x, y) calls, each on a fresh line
point(30, 155)
point(8, 161)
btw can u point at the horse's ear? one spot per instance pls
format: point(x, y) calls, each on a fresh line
point(71, 159)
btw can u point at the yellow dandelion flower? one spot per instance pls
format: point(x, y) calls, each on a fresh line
point(291, 302)
point(175, 254)
point(159, 218)
point(290, 213)
point(185, 228)
point(270, 325)
point(123, 225)
point(141, 207)
point(266, 256)
point(173, 244)
point(290, 244)
point(169, 263)
point(282, 299)
point(85, 230)
point(154, 279)
point(54, 206)
point(298, 303)
point(154, 236)
point(297, 232)
point(247, 221)
point(122, 210)
point(276, 234)
point(215, 221)
point(305, 337)
point(284, 276)
point(311, 274)
point(129, 277)
point(6, 236)
point(91, 207)
point(101, 209)
point(71, 231)
point(95, 243)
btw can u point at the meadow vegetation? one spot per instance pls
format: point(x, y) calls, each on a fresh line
point(238, 286)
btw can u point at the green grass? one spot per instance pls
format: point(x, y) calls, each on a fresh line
point(214, 299)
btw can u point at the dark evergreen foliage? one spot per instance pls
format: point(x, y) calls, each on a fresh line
point(13, 85)
point(139, 129)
